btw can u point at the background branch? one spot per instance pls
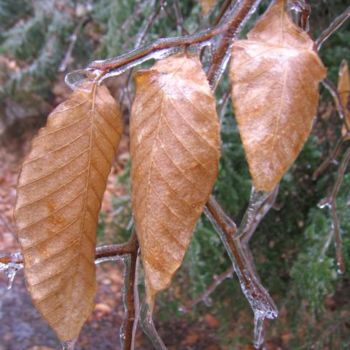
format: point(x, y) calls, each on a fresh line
point(333, 27)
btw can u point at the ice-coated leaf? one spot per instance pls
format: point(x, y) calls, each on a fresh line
point(344, 90)
point(60, 189)
point(275, 75)
point(175, 151)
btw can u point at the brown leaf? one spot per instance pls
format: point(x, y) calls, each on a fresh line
point(207, 5)
point(275, 76)
point(59, 196)
point(175, 152)
point(344, 91)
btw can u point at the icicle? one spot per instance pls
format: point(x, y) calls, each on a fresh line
point(11, 268)
point(150, 329)
point(69, 345)
point(258, 329)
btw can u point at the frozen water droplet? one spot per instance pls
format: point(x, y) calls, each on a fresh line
point(182, 309)
point(69, 345)
point(324, 203)
point(259, 318)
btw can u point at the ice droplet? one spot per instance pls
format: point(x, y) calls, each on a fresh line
point(324, 203)
point(69, 345)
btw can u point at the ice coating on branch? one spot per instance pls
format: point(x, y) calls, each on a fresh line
point(76, 79)
point(157, 55)
point(258, 329)
point(149, 328)
point(69, 345)
point(257, 199)
point(111, 258)
point(11, 268)
point(219, 71)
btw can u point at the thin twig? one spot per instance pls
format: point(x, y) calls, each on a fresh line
point(260, 213)
point(242, 12)
point(230, 26)
point(331, 158)
point(143, 32)
point(223, 105)
point(103, 253)
point(203, 297)
point(340, 108)
point(330, 201)
point(73, 39)
point(179, 18)
point(130, 301)
point(222, 11)
point(220, 217)
point(140, 39)
point(333, 27)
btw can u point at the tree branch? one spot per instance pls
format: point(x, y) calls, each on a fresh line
point(334, 93)
point(242, 12)
point(331, 158)
point(130, 298)
point(330, 202)
point(134, 57)
point(205, 296)
point(333, 27)
point(103, 253)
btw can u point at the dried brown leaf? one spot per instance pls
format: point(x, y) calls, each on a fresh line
point(206, 5)
point(344, 90)
point(59, 196)
point(275, 76)
point(175, 151)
